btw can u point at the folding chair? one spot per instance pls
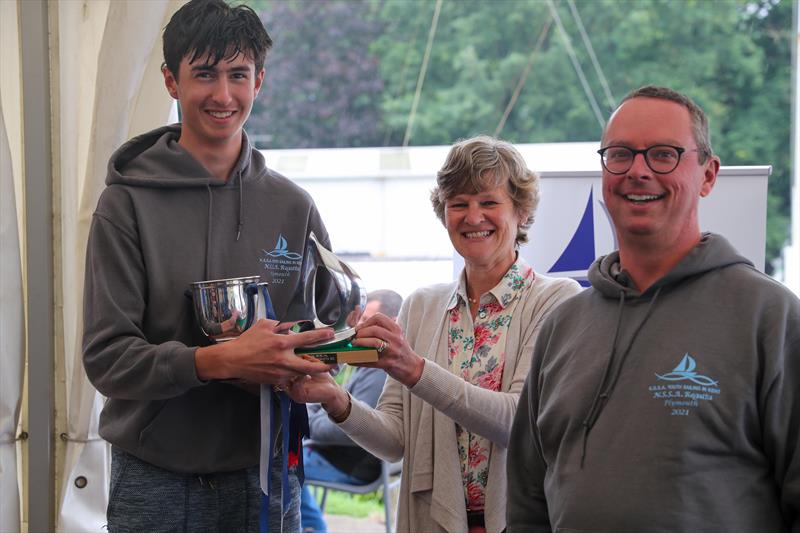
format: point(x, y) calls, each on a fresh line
point(385, 481)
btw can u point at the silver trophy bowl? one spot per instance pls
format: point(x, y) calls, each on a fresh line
point(225, 308)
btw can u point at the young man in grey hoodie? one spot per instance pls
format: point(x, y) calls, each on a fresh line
point(666, 397)
point(184, 203)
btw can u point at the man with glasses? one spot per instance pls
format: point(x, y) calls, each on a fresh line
point(667, 396)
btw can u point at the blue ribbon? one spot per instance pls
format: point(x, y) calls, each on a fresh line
point(293, 423)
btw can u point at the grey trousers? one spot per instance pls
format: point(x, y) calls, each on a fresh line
point(146, 498)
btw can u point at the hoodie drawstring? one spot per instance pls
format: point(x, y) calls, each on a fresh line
point(208, 231)
point(604, 391)
point(240, 224)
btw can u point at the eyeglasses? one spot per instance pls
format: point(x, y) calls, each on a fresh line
point(661, 158)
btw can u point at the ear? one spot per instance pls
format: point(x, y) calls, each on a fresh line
point(522, 218)
point(259, 81)
point(170, 82)
point(709, 176)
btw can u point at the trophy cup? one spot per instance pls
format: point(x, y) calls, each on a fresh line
point(328, 279)
point(330, 295)
point(225, 308)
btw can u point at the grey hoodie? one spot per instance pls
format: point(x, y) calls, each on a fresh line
point(672, 410)
point(163, 222)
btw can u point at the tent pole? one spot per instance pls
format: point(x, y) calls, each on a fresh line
point(39, 262)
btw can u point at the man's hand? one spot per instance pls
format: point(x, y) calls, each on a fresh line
point(262, 354)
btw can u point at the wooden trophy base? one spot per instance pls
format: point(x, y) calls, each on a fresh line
point(339, 353)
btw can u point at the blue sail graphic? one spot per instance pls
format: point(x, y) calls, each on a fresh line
point(580, 252)
point(281, 244)
point(687, 364)
point(685, 372)
point(282, 250)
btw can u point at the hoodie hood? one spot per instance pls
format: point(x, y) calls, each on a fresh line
point(155, 159)
point(711, 253)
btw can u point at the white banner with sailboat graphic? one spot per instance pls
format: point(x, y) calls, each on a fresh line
point(572, 226)
point(376, 205)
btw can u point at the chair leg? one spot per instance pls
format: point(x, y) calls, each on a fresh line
point(387, 512)
point(324, 499)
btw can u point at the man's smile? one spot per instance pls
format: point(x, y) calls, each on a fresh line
point(221, 114)
point(643, 198)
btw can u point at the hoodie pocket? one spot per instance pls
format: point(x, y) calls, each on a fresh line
point(153, 420)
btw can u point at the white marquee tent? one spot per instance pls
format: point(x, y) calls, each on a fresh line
point(79, 78)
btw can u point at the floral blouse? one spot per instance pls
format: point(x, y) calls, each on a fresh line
point(476, 352)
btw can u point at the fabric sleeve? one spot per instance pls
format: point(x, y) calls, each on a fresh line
point(365, 384)
point(487, 413)
point(490, 413)
point(379, 430)
point(525, 465)
point(526, 511)
point(117, 357)
point(780, 407)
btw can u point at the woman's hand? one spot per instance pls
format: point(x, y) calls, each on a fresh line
point(396, 357)
point(319, 388)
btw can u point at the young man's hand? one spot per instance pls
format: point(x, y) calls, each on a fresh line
point(262, 354)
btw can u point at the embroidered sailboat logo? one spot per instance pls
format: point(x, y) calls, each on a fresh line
point(282, 250)
point(685, 371)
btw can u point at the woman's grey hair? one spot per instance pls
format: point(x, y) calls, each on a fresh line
point(481, 163)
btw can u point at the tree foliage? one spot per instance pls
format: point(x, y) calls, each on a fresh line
point(344, 73)
point(322, 87)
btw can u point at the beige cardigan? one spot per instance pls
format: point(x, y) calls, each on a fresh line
point(417, 425)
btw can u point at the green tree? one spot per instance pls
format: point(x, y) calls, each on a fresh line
point(344, 73)
point(322, 87)
point(732, 57)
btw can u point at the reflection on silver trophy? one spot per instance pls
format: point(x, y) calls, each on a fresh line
point(330, 294)
point(225, 308)
point(333, 295)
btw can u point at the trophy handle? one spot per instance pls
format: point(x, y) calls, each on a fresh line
point(258, 296)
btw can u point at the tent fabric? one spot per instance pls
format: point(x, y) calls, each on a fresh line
point(12, 311)
point(12, 338)
point(109, 89)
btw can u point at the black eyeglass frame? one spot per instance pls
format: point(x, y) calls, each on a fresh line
point(644, 151)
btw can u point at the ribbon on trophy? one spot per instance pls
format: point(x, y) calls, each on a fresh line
point(285, 414)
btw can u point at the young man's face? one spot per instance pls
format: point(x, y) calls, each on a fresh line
point(659, 208)
point(215, 100)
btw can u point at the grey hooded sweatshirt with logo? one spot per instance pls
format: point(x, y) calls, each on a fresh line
point(163, 222)
point(672, 410)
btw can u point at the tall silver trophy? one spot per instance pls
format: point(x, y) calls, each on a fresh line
point(330, 295)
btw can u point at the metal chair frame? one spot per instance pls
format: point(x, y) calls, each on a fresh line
point(384, 481)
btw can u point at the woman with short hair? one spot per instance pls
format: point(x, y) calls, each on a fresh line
point(459, 355)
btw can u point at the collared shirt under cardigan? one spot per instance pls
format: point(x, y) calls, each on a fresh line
point(418, 425)
point(477, 351)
